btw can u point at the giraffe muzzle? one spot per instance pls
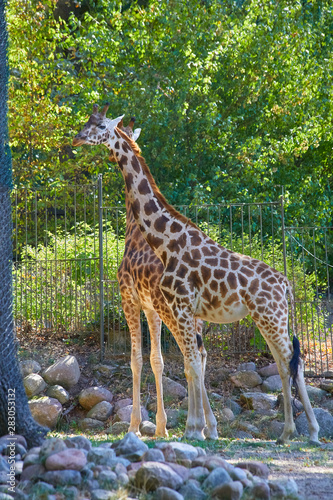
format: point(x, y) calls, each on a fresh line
point(78, 141)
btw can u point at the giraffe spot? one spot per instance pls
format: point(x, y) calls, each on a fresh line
point(272, 280)
point(181, 271)
point(232, 280)
point(215, 302)
point(223, 289)
point(196, 254)
point(144, 187)
point(150, 207)
point(206, 295)
point(205, 273)
point(135, 164)
point(177, 245)
point(214, 286)
point(242, 280)
point(209, 251)
point(136, 208)
point(129, 181)
point(125, 147)
point(123, 161)
point(277, 296)
point(224, 263)
point(142, 228)
point(234, 265)
point(224, 255)
point(180, 288)
point(147, 222)
point(154, 241)
point(175, 227)
point(261, 309)
point(219, 274)
point(195, 238)
point(164, 256)
point(212, 262)
point(266, 287)
point(265, 274)
point(172, 264)
point(188, 260)
point(251, 306)
point(254, 286)
point(160, 223)
point(117, 146)
point(248, 272)
point(167, 281)
point(232, 299)
point(194, 279)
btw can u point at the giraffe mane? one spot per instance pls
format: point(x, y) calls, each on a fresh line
point(152, 182)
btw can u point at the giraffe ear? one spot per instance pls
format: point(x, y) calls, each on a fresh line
point(136, 134)
point(116, 121)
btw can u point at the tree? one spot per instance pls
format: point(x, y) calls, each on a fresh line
point(15, 416)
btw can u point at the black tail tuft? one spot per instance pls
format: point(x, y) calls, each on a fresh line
point(294, 363)
point(199, 341)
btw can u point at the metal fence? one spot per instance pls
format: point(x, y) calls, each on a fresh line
point(68, 246)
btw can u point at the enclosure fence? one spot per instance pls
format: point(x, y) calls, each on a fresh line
point(68, 245)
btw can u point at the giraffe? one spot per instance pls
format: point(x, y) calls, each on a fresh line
point(138, 276)
point(202, 279)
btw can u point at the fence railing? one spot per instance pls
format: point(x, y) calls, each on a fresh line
point(68, 246)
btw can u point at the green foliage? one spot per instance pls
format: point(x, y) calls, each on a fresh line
point(57, 284)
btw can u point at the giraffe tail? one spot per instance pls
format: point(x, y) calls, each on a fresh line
point(294, 363)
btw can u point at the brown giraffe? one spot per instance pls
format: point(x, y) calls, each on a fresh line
point(139, 276)
point(202, 279)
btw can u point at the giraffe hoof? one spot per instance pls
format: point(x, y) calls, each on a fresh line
point(210, 433)
point(194, 436)
point(162, 434)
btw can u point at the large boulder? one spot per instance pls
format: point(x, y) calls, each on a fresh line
point(101, 411)
point(59, 393)
point(29, 366)
point(246, 379)
point(46, 411)
point(88, 398)
point(173, 389)
point(124, 414)
point(272, 384)
point(33, 384)
point(65, 372)
point(258, 401)
point(130, 447)
point(324, 419)
point(269, 370)
point(153, 475)
point(68, 459)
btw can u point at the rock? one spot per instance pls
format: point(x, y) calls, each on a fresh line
point(33, 384)
point(30, 459)
point(246, 379)
point(51, 446)
point(46, 411)
point(228, 491)
point(80, 442)
point(216, 478)
point(242, 435)
point(118, 428)
point(246, 367)
point(215, 397)
point(153, 475)
point(258, 401)
point(315, 394)
point(211, 462)
point(191, 491)
point(247, 427)
point(296, 405)
point(65, 372)
point(4, 467)
point(260, 491)
point(59, 393)
point(121, 403)
point(235, 407)
point(274, 429)
point(29, 366)
point(105, 370)
point(290, 486)
point(199, 473)
point(68, 459)
point(130, 447)
point(272, 384)
point(269, 370)
point(328, 374)
point(90, 424)
point(174, 417)
point(227, 415)
point(173, 389)
point(90, 397)
point(256, 468)
point(182, 451)
point(153, 455)
point(283, 487)
point(168, 452)
point(99, 494)
point(147, 428)
point(62, 477)
point(327, 385)
point(324, 419)
point(184, 403)
point(124, 414)
point(102, 411)
point(101, 456)
point(164, 493)
point(107, 478)
point(32, 472)
point(222, 374)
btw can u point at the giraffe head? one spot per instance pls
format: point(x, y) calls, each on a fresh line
point(100, 130)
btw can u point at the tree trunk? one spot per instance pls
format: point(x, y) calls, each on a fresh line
point(15, 416)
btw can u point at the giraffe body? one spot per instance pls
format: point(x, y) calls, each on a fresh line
point(203, 280)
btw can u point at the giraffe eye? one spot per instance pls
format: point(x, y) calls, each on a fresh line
point(101, 126)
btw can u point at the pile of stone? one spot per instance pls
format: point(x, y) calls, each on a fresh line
point(258, 393)
point(74, 469)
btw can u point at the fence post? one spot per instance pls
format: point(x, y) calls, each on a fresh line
point(101, 271)
point(283, 235)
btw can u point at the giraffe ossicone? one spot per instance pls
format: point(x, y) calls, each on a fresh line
point(203, 280)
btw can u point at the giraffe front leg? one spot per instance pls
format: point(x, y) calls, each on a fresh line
point(157, 364)
point(312, 421)
point(211, 424)
point(132, 314)
point(196, 420)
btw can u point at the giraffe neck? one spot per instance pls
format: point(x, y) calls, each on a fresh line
point(164, 229)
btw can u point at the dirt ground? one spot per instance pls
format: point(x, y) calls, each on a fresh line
point(311, 467)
